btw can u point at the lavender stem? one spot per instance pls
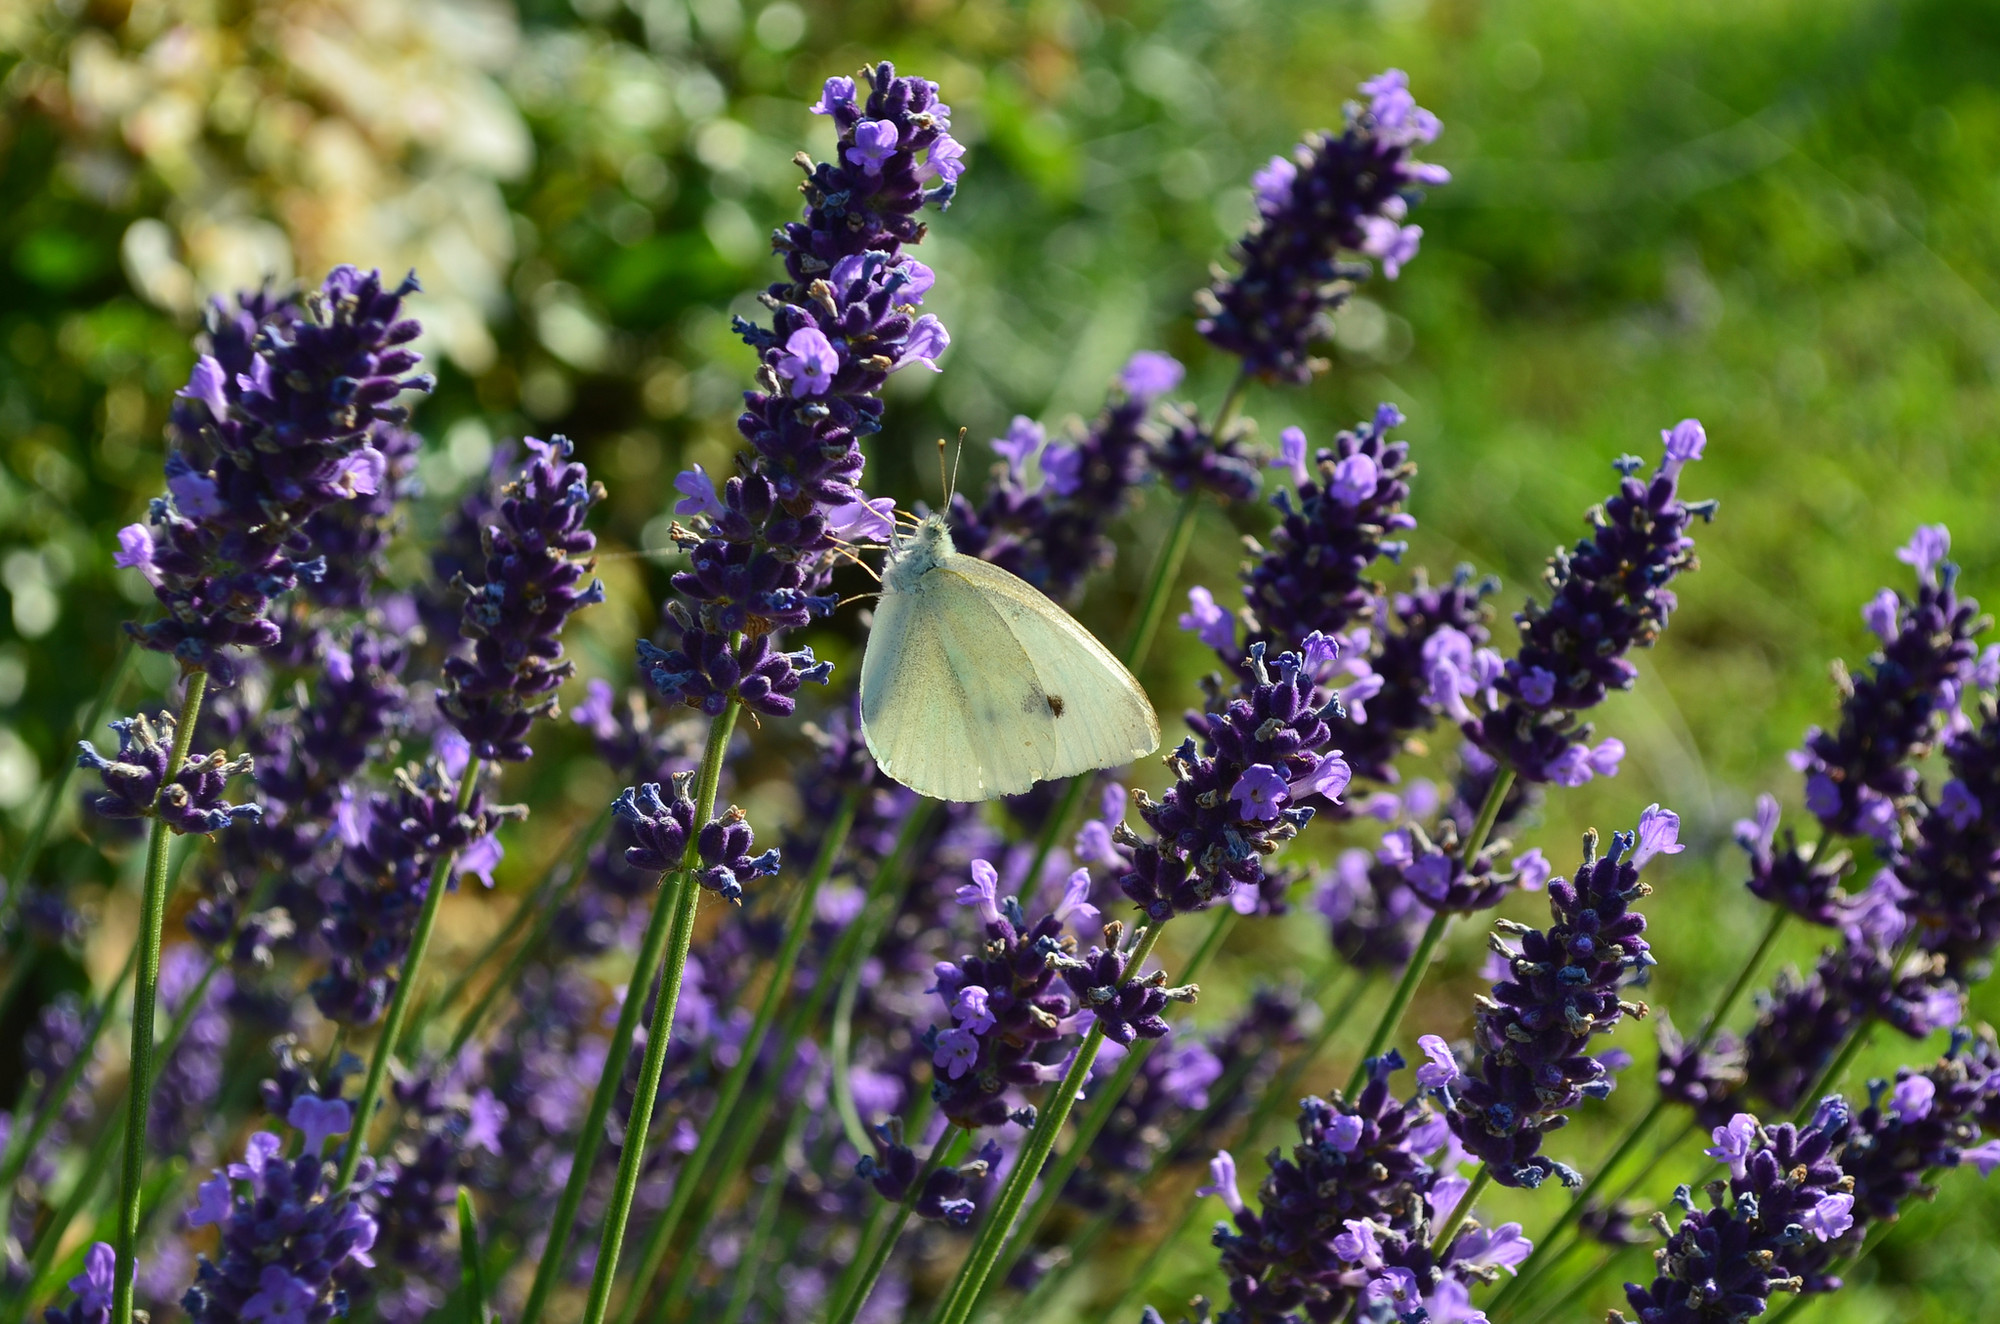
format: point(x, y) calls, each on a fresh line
point(976, 1272)
point(687, 895)
point(947, 1148)
point(145, 991)
point(740, 1125)
point(399, 1003)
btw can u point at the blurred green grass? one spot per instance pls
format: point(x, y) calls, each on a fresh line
point(1771, 215)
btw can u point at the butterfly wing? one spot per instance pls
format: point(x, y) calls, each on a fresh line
point(1099, 717)
point(951, 703)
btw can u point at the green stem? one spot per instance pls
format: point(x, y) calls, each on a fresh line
point(1103, 1102)
point(875, 921)
point(472, 1269)
point(145, 992)
point(98, 1162)
point(975, 1273)
point(544, 907)
point(1232, 402)
point(1772, 929)
point(1831, 1077)
point(740, 1126)
point(399, 1002)
point(1399, 1001)
point(584, 1161)
point(768, 1205)
point(1166, 569)
point(1413, 974)
point(948, 1146)
point(687, 897)
point(1449, 1228)
point(52, 802)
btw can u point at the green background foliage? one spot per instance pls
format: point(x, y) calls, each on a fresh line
point(1771, 215)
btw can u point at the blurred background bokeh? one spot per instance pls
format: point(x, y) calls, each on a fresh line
point(1772, 215)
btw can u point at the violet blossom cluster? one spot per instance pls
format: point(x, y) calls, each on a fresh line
point(1950, 875)
point(660, 829)
point(393, 842)
point(1053, 532)
point(1860, 777)
point(1785, 1192)
point(1006, 1007)
point(1264, 765)
point(843, 320)
point(1335, 195)
point(1610, 595)
point(275, 424)
point(1562, 989)
point(137, 783)
point(1346, 1220)
point(289, 1238)
point(516, 604)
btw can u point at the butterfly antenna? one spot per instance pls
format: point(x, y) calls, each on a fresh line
point(944, 484)
point(951, 488)
point(852, 554)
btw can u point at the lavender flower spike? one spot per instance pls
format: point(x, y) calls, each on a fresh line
point(537, 558)
point(275, 424)
point(1610, 596)
point(191, 802)
point(1337, 194)
point(1561, 991)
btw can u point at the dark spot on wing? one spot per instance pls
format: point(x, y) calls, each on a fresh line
point(1055, 704)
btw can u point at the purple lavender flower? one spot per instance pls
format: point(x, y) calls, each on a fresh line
point(1054, 535)
point(1561, 991)
point(1704, 1077)
point(1192, 456)
point(948, 1194)
point(1610, 596)
point(660, 832)
point(537, 558)
point(1786, 1193)
point(1213, 828)
point(275, 424)
point(1794, 878)
point(92, 1288)
point(1803, 1023)
point(287, 1237)
point(1860, 777)
point(1023, 1006)
point(1373, 915)
point(393, 842)
point(1124, 1004)
point(1952, 870)
point(845, 318)
point(1313, 576)
point(191, 802)
point(352, 536)
point(1346, 1212)
point(1336, 194)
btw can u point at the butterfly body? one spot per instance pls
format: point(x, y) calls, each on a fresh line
point(974, 685)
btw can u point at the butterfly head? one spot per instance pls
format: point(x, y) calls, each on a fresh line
point(915, 555)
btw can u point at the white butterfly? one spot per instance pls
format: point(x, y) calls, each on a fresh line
point(974, 685)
